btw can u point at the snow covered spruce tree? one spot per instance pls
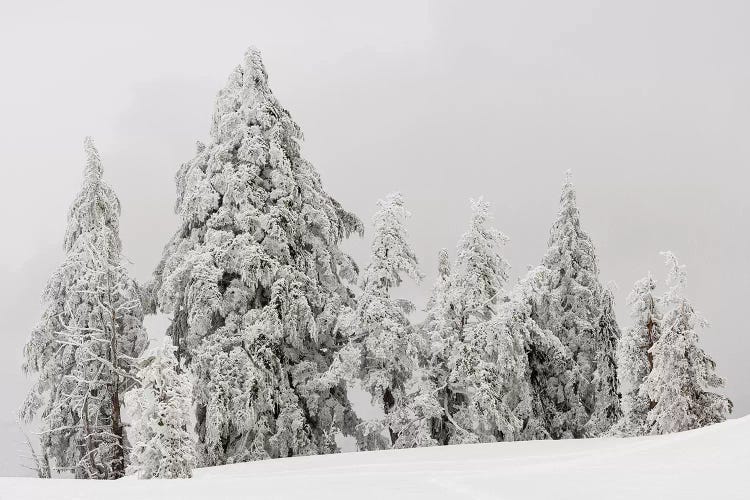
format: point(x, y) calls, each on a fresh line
point(495, 363)
point(423, 421)
point(384, 333)
point(553, 373)
point(683, 375)
point(256, 284)
point(458, 306)
point(607, 409)
point(159, 408)
point(575, 314)
point(634, 356)
point(84, 348)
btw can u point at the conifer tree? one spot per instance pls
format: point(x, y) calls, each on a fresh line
point(683, 377)
point(387, 339)
point(634, 355)
point(607, 409)
point(575, 310)
point(424, 422)
point(463, 301)
point(495, 365)
point(554, 375)
point(159, 409)
point(257, 284)
point(84, 347)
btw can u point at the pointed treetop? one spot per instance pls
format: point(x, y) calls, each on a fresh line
point(676, 275)
point(569, 176)
point(568, 196)
point(444, 263)
point(93, 171)
point(253, 63)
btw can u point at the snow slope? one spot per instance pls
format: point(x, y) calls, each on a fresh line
point(708, 463)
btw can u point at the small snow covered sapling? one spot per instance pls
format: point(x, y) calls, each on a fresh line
point(159, 408)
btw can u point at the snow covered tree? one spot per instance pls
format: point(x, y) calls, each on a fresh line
point(683, 375)
point(554, 375)
point(575, 309)
point(494, 364)
point(257, 284)
point(460, 303)
point(83, 349)
point(423, 421)
point(386, 337)
point(634, 355)
point(607, 409)
point(159, 409)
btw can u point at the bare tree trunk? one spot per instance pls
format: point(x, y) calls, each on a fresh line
point(388, 403)
point(90, 467)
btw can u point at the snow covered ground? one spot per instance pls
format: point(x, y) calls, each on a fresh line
point(709, 463)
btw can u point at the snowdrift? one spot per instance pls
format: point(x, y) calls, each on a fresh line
point(713, 462)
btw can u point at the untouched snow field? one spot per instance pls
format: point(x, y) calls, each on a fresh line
point(709, 463)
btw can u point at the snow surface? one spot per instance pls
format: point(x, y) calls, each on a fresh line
point(707, 463)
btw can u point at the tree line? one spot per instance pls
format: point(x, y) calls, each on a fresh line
point(272, 323)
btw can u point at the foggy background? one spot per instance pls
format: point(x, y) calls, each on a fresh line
point(647, 102)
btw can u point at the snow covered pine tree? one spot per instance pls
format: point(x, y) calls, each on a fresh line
point(459, 305)
point(634, 356)
point(256, 284)
point(85, 345)
point(683, 374)
point(384, 333)
point(424, 422)
point(575, 315)
point(159, 408)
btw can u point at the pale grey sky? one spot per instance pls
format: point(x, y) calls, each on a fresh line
point(648, 102)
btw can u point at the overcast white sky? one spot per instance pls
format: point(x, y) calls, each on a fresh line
point(648, 102)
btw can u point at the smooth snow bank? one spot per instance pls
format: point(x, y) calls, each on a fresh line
point(708, 463)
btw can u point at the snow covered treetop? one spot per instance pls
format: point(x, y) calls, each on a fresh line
point(569, 244)
point(391, 253)
point(247, 98)
point(96, 209)
point(93, 172)
point(676, 276)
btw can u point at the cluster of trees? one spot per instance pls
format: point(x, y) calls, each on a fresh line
point(272, 323)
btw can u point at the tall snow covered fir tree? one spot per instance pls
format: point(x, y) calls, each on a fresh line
point(159, 408)
point(575, 312)
point(683, 375)
point(257, 285)
point(84, 348)
point(384, 333)
point(634, 356)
